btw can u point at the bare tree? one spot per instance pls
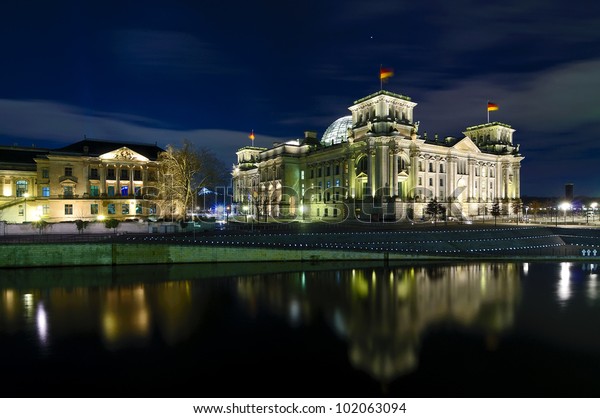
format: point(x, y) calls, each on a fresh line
point(184, 171)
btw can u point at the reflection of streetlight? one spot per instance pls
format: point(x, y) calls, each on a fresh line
point(564, 206)
point(25, 195)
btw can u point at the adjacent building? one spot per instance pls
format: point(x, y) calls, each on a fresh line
point(374, 164)
point(87, 180)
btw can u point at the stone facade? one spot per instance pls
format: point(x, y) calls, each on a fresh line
point(380, 169)
point(87, 180)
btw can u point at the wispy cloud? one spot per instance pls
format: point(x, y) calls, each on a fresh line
point(38, 120)
point(166, 53)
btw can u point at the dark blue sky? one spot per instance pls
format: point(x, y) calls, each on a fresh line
point(212, 71)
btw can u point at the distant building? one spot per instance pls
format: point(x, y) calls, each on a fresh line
point(84, 180)
point(373, 164)
point(569, 192)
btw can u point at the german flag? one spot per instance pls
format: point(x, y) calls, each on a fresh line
point(251, 136)
point(492, 107)
point(385, 73)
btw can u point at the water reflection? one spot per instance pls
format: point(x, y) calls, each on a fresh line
point(383, 313)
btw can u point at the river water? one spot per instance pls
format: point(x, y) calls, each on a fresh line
point(301, 330)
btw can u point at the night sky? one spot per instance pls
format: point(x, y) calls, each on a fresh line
point(211, 71)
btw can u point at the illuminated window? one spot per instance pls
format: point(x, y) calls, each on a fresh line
point(45, 173)
point(111, 209)
point(138, 209)
point(111, 190)
point(94, 209)
point(124, 190)
point(68, 171)
point(110, 174)
point(45, 209)
point(21, 188)
point(125, 208)
point(68, 191)
point(124, 175)
point(45, 191)
point(68, 209)
point(94, 190)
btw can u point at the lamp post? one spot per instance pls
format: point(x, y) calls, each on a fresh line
point(564, 206)
point(593, 205)
point(25, 195)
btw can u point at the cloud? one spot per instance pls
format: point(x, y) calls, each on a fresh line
point(166, 53)
point(41, 121)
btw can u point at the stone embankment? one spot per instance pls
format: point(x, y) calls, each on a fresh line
point(310, 245)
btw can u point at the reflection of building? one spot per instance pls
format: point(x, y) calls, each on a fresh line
point(374, 162)
point(80, 181)
point(384, 312)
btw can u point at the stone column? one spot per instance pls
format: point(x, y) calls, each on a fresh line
point(517, 179)
point(371, 170)
point(351, 176)
point(395, 156)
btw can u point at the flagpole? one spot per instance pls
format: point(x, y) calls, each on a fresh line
point(488, 111)
point(380, 79)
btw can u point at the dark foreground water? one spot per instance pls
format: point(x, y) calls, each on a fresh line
point(467, 330)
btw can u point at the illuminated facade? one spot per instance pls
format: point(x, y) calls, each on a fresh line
point(85, 180)
point(373, 162)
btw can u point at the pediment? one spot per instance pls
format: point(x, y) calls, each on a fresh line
point(123, 154)
point(467, 145)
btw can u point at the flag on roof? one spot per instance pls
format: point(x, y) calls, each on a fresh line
point(492, 106)
point(385, 73)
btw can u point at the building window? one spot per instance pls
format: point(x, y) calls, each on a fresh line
point(312, 174)
point(441, 182)
point(420, 181)
point(152, 209)
point(441, 168)
point(21, 188)
point(138, 191)
point(301, 174)
point(21, 210)
point(110, 174)
point(151, 175)
point(45, 191)
point(328, 171)
point(335, 212)
point(337, 182)
point(431, 182)
point(125, 208)
point(45, 173)
point(68, 191)
point(69, 171)
point(326, 213)
point(138, 209)
point(111, 209)
point(124, 190)
point(319, 172)
point(68, 209)
point(137, 175)
point(45, 209)
point(111, 191)
point(94, 173)
point(124, 175)
point(94, 190)
point(328, 184)
point(431, 167)
point(337, 169)
point(94, 208)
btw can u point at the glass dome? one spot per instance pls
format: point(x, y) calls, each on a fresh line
point(337, 131)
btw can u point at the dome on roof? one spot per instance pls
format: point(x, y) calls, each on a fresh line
point(337, 131)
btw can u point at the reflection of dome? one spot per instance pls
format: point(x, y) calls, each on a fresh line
point(337, 131)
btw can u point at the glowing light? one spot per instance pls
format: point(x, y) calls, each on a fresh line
point(101, 218)
point(564, 286)
point(525, 268)
point(41, 320)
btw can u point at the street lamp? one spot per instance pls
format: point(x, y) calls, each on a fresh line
point(25, 195)
point(564, 206)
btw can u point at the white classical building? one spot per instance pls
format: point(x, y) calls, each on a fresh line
point(373, 164)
